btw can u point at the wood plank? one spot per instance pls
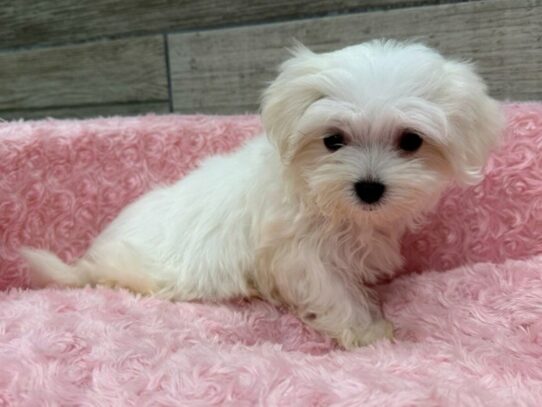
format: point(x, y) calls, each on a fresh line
point(30, 22)
point(224, 71)
point(80, 112)
point(120, 71)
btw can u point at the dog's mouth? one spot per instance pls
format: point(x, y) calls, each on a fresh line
point(375, 206)
point(371, 208)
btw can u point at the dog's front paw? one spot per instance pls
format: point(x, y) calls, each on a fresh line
point(355, 337)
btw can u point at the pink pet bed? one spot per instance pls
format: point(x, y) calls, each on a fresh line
point(467, 307)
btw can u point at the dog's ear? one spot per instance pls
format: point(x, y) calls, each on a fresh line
point(287, 98)
point(475, 119)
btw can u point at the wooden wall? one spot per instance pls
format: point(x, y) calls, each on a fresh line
point(69, 58)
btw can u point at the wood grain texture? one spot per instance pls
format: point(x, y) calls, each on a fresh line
point(224, 71)
point(81, 112)
point(120, 71)
point(30, 22)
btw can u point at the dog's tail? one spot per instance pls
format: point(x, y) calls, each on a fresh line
point(46, 268)
point(117, 266)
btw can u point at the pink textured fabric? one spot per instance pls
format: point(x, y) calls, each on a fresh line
point(469, 336)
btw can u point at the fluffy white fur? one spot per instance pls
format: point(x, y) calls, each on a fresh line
point(280, 217)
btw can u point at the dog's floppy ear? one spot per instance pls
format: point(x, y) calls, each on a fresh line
point(476, 120)
point(287, 98)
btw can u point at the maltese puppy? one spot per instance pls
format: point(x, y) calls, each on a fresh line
point(358, 144)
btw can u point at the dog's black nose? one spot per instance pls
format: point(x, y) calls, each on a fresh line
point(369, 191)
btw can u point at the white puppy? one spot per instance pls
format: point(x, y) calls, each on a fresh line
point(359, 142)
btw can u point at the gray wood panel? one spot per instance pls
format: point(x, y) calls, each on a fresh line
point(130, 109)
point(224, 71)
point(120, 71)
point(30, 22)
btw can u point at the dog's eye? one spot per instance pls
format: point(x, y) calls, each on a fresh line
point(334, 142)
point(410, 141)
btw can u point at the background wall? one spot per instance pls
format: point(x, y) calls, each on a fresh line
point(77, 58)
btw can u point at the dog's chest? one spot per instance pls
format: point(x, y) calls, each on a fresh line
point(367, 256)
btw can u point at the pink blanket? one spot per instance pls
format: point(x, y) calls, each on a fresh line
point(471, 335)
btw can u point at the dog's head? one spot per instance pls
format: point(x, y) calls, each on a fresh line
point(377, 129)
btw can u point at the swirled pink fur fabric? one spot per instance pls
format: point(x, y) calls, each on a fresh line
point(468, 323)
